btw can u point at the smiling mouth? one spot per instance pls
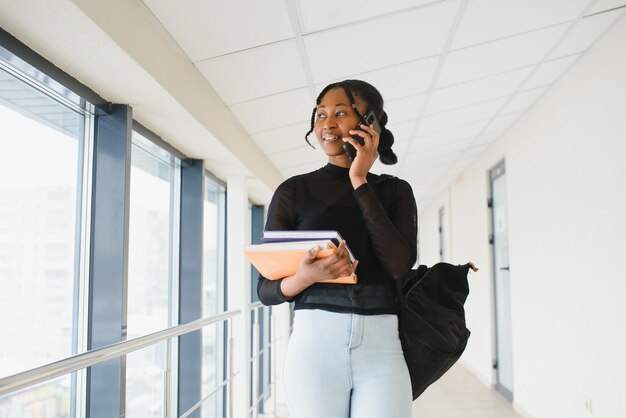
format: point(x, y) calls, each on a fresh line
point(330, 138)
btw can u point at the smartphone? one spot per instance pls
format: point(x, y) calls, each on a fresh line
point(369, 119)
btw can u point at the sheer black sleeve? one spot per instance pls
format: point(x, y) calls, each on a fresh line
point(280, 216)
point(393, 236)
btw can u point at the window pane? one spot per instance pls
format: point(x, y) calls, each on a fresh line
point(149, 257)
point(152, 193)
point(214, 245)
point(41, 142)
point(213, 357)
point(145, 391)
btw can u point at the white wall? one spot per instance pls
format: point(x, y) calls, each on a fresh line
point(566, 180)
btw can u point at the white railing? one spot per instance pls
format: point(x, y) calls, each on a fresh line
point(81, 361)
point(255, 359)
point(30, 378)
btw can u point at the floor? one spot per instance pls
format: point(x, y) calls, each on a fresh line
point(459, 394)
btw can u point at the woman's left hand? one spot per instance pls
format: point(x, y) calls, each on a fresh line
point(366, 154)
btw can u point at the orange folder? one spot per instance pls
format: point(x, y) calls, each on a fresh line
point(278, 260)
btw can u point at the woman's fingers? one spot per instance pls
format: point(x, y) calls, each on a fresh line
point(338, 264)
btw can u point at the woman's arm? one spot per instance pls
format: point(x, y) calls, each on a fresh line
point(393, 236)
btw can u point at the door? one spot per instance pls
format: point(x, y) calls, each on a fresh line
point(500, 244)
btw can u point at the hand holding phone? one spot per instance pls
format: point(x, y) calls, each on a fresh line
point(369, 119)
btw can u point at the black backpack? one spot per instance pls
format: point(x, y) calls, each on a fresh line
point(432, 321)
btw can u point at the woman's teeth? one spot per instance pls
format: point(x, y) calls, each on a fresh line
point(330, 137)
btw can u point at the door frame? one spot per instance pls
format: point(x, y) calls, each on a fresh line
point(495, 172)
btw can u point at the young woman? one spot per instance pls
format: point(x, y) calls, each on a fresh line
point(344, 358)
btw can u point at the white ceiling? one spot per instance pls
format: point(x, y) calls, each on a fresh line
point(455, 74)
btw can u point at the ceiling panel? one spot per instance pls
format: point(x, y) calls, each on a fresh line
point(285, 138)
point(513, 17)
point(451, 135)
point(275, 111)
point(549, 71)
point(403, 79)
point(480, 90)
point(439, 143)
point(255, 72)
point(524, 100)
point(323, 14)
point(398, 38)
point(402, 131)
point(402, 110)
point(425, 161)
point(458, 117)
point(502, 122)
point(499, 56)
point(488, 138)
point(427, 151)
point(585, 33)
point(205, 29)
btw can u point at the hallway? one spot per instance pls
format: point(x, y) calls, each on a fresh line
point(459, 394)
point(143, 142)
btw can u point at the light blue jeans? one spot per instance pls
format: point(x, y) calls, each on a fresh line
point(342, 365)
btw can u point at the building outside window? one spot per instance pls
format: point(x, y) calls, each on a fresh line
point(43, 133)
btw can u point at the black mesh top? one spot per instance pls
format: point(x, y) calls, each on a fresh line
point(378, 220)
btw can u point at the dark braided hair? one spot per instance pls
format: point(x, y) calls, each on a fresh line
point(370, 95)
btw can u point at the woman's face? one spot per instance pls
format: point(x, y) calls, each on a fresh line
point(333, 120)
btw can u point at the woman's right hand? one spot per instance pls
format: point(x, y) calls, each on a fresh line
point(312, 270)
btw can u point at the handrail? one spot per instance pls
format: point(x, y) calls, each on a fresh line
point(89, 358)
point(198, 404)
point(256, 305)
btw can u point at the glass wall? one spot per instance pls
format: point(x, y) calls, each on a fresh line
point(154, 187)
point(46, 192)
point(42, 138)
point(213, 285)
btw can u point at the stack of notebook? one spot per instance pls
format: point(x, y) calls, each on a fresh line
point(281, 252)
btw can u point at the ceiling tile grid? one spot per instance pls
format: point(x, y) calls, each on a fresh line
point(274, 111)
point(455, 75)
point(319, 15)
point(206, 29)
point(602, 5)
point(378, 43)
point(488, 20)
point(256, 72)
point(283, 138)
point(585, 33)
point(549, 71)
point(500, 55)
point(484, 89)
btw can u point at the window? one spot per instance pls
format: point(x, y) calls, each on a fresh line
point(154, 190)
point(43, 131)
point(213, 284)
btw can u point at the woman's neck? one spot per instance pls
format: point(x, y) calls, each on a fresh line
point(340, 160)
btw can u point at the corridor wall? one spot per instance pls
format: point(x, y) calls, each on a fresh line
point(566, 182)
